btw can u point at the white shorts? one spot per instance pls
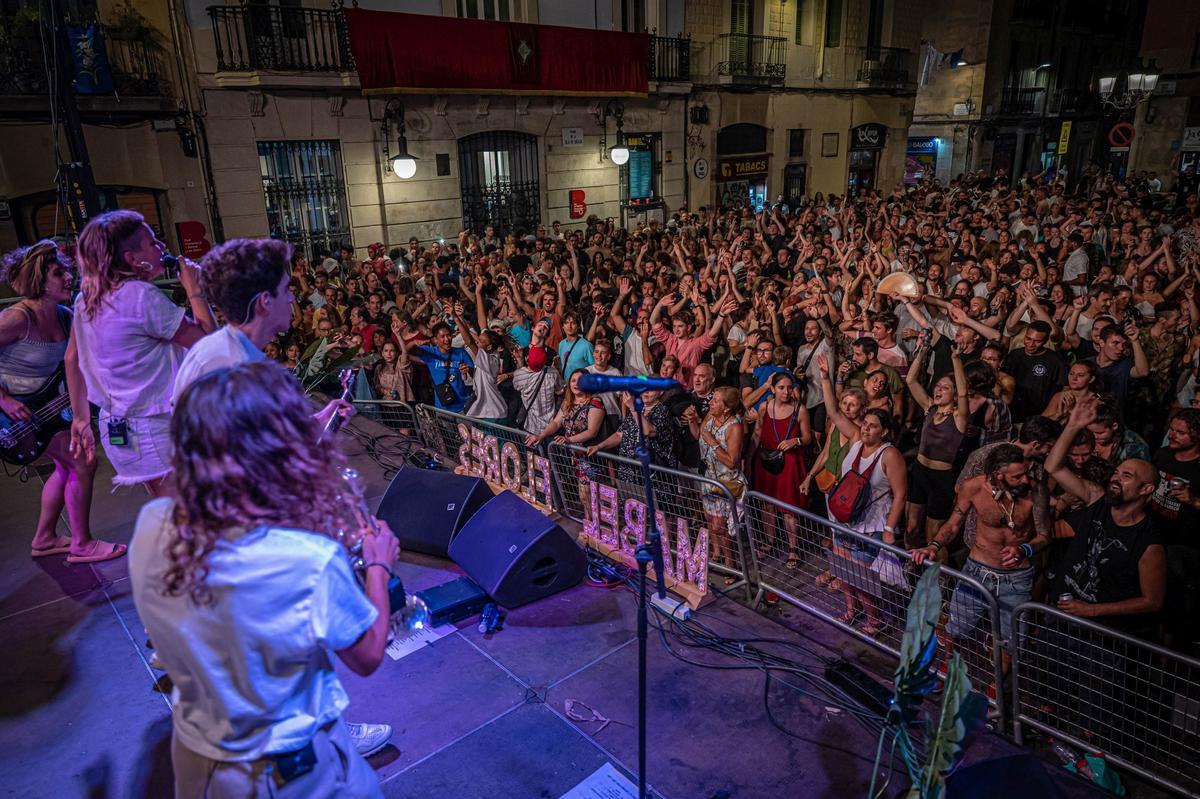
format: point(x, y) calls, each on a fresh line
point(146, 456)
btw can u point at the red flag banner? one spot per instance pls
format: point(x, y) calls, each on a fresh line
point(419, 53)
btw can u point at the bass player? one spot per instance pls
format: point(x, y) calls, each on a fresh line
point(35, 342)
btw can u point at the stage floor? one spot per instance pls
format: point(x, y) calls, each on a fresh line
point(474, 716)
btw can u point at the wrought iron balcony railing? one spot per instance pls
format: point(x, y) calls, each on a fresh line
point(261, 37)
point(136, 61)
point(1022, 102)
point(743, 55)
point(670, 58)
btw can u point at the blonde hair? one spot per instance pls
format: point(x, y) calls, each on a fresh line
point(101, 249)
point(25, 269)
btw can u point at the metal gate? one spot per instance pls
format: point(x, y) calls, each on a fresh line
point(499, 174)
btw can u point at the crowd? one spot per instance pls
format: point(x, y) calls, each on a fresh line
point(989, 357)
point(997, 374)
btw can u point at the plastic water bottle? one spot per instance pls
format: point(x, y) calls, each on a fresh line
point(1069, 758)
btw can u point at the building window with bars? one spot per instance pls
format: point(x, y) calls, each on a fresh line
point(485, 9)
point(305, 188)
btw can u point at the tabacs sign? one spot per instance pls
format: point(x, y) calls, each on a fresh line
point(752, 166)
point(870, 136)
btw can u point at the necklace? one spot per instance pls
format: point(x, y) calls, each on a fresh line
point(1008, 512)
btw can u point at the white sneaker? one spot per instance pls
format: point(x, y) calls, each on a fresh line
point(369, 738)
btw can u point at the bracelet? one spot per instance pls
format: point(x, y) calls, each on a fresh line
point(937, 544)
point(379, 563)
point(197, 296)
point(1027, 548)
point(888, 529)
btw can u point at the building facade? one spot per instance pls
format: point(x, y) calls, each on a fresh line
point(249, 119)
point(1168, 123)
point(133, 110)
point(1010, 85)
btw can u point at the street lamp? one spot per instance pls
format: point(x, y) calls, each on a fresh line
point(1140, 83)
point(403, 163)
point(619, 154)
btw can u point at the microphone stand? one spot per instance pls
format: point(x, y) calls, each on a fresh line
point(649, 552)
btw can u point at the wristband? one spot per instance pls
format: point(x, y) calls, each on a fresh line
point(888, 529)
point(1027, 549)
point(936, 543)
point(380, 564)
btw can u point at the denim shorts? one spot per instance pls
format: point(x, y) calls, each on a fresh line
point(146, 455)
point(1010, 587)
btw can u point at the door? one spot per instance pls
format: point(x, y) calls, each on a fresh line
point(498, 173)
point(793, 185)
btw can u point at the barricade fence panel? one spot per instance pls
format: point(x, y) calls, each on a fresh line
point(1107, 691)
point(864, 586)
point(698, 501)
point(494, 452)
point(394, 414)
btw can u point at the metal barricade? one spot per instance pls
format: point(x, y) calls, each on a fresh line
point(394, 414)
point(864, 586)
point(699, 501)
point(1103, 690)
point(500, 464)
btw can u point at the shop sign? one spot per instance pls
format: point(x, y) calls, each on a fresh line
point(700, 168)
point(743, 167)
point(1191, 140)
point(193, 239)
point(871, 136)
point(923, 144)
point(576, 198)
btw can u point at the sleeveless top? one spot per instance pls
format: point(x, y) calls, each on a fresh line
point(881, 490)
point(837, 451)
point(939, 441)
point(26, 363)
point(714, 468)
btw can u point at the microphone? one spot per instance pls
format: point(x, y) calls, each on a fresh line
point(634, 384)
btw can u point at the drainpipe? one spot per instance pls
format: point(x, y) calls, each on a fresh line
point(216, 226)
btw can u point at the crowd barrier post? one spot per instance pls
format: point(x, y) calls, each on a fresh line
point(596, 491)
point(831, 562)
point(1103, 690)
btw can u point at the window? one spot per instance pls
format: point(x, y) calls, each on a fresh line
point(804, 22)
point(796, 140)
point(485, 9)
point(633, 16)
point(833, 23)
point(305, 189)
point(495, 168)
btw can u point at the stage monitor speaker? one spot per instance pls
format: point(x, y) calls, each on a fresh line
point(426, 508)
point(517, 553)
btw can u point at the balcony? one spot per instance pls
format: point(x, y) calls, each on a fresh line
point(885, 68)
point(255, 38)
point(136, 62)
point(1074, 102)
point(670, 59)
point(1022, 102)
point(753, 59)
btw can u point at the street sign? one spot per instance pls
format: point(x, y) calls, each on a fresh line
point(1064, 138)
point(577, 200)
point(1121, 134)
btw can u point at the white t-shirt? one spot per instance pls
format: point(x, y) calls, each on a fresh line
point(489, 403)
point(253, 671)
point(221, 348)
point(125, 352)
point(611, 405)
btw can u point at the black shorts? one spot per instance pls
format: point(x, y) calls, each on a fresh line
point(933, 488)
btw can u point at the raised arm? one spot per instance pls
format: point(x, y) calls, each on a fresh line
point(1083, 414)
point(913, 379)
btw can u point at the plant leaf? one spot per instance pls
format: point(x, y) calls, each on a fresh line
point(914, 676)
point(962, 711)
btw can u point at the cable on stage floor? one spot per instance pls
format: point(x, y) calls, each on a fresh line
point(752, 652)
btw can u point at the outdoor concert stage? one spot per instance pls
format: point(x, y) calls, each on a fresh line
point(474, 716)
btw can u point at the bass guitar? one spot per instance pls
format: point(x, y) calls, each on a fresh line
point(23, 441)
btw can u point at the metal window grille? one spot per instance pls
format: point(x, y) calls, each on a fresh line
point(498, 173)
point(305, 188)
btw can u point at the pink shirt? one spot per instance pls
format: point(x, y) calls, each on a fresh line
point(688, 351)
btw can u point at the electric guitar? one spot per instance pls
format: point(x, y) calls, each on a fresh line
point(22, 442)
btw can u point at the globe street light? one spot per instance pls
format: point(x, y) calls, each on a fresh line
point(403, 163)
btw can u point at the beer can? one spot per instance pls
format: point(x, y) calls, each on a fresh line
point(1066, 597)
